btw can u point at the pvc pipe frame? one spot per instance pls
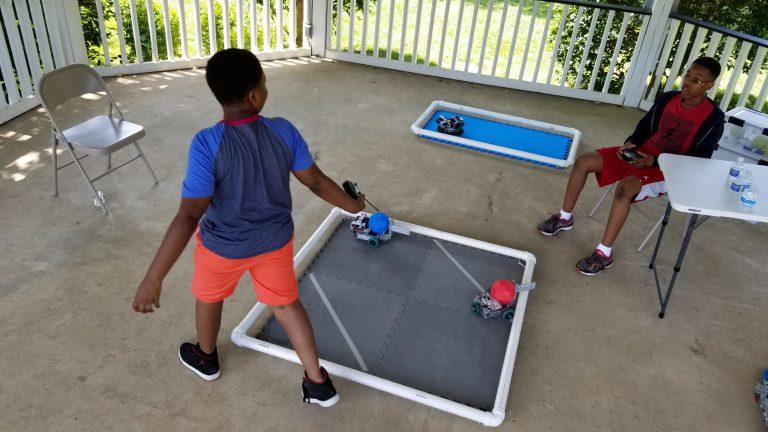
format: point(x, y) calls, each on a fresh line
point(302, 261)
point(418, 128)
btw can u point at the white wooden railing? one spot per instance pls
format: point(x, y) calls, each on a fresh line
point(687, 39)
point(564, 47)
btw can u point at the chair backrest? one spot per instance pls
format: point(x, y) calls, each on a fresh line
point(61, 85)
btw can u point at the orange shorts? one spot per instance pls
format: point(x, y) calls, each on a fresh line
point(274, 281)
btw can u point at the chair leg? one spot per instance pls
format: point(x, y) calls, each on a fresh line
point(54, 147)
point(602, 198)
point(650, 234)
point(149, 168)
point(90, 183)
point(109, 161)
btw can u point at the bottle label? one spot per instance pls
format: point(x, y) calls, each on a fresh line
point(748, 202)
point(736, 187)
point(734, 172)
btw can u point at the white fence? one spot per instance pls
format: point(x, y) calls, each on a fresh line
point(593, 51)
point(34, 38)
point(688, 39)
point(506, 43)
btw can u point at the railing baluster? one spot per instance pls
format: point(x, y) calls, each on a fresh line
point(266, 36)
point(239, 23)
point(698, 41)
point(543, 43)
point(674, 25)
point(339, 7)
point(587, 47)
point(41, 34)
point(52, 11)
point(498, 38)
point(183, 31)
point(254, 27)
point(390, 28)
point(714, 42)
point(376, 29)
point(431, 31)
point(198, 29)
point(458, 35)
point(444, 34)
point(632, 61)
point(603, 41)
point(136, 32)
point(415, 54)
point(569, 55)
point(470, 43)
point(19, 59)
point(279, 24)
point(489, 13)
point(30, 46)
point(746, 47)
point(558, 38)
point(761, 97)
point(724, 57)
point(5, 64)
point(352, 13)
point(292, 23)
point(168, 36)
point(103, 32)
point(529, 39)
point(681, 48)
point(120, 32)
point(225, 23)
point(757, 65)
point(514, 37)
point(616, 51)
point(213, 46)
point(152, 30)
point(364, 43)
point(404, 32)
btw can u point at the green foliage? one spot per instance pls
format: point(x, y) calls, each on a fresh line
point(623, 59)
point(746, 16)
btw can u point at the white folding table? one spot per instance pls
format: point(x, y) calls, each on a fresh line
point(699, 187)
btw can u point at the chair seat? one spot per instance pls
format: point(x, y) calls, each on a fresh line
point(103, 134)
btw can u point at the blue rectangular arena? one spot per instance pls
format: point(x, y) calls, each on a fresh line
point(502, 135)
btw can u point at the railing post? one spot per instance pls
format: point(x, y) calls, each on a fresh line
point(71, 32)
point(649, 52)
point(317, 26)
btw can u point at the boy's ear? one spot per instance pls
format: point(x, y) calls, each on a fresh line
point(254, 98)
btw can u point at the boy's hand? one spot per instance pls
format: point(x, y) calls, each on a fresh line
point(359, 204)
point(147, 295)
point(626, 146)
point(644, 162)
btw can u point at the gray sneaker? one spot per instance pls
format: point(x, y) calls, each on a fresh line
point(554, 225)
point(594, 264)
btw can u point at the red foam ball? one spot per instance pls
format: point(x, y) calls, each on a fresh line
point(503, 291)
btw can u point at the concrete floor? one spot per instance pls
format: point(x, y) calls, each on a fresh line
point(593, 354)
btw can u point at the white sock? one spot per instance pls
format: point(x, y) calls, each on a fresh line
point(606, 250)
point(564, 215)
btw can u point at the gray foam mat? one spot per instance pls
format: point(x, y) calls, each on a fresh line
point(407, 309)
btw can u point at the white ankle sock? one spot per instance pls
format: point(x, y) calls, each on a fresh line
point(606, 250)
point(564, 215)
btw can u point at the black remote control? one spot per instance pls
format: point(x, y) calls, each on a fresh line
point(351, 189)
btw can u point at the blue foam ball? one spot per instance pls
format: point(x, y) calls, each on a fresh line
point(379, 223)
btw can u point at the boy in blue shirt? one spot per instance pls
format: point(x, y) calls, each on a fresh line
point(236, 200)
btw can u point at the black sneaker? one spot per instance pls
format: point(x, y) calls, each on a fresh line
point(323, 394)
point(594, 264)
point(204, 365)
point(554, 224)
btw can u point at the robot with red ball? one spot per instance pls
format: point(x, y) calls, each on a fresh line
point(500, 299)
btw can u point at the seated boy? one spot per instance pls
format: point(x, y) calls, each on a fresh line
point(683, 122)
point(236, 200)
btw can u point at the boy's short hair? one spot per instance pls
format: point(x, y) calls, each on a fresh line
point(232, 73)
point(709, 63)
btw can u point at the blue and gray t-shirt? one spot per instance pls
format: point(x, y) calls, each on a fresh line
point(244, 166)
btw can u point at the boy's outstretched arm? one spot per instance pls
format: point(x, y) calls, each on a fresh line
point(327, 189)
point(176, 238)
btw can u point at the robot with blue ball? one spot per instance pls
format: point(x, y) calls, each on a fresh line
point(375, 228)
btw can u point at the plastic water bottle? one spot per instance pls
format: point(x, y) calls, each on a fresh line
point(736, 169)
point(746, 180)
point(749, 197)
point(737, 183)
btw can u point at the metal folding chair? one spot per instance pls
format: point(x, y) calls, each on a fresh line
point(650, 234)
point(99, 135)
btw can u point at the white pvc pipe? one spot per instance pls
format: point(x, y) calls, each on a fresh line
point(302, 260)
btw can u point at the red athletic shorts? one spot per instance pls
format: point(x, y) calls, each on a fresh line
point(274, 281)
point(615, 168)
